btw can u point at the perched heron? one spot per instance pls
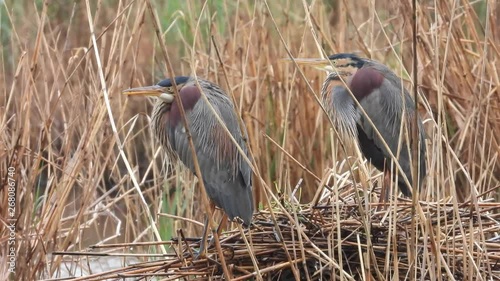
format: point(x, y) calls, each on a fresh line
point(226, 175)
point(386, 102)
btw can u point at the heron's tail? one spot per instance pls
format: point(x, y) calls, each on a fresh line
point(407, 190)
point(234, 199)
point(404, 187)
point(239, 205)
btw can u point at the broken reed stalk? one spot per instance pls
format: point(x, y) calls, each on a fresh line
point(325, 226)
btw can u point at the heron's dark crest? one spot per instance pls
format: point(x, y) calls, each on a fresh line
point(346, 60)
point(179, 80)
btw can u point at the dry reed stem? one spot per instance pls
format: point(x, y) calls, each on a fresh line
point(74, 187)
point(355, 239)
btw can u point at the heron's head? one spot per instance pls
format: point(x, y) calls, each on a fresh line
point(347, 79)
point(164, 90)
point(343, 64)
point(362, 76)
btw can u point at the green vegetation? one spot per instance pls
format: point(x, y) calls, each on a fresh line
point(71, 176)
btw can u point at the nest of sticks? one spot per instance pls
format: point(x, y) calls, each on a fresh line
point(348, 238)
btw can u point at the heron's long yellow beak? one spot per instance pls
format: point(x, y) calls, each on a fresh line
point(321, 64)
point(154, 90)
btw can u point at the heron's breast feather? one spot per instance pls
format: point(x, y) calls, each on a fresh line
point(189, 96)
point(365, 81)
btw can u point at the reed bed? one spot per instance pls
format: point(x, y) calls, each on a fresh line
point(334, 240)
point(86, 169)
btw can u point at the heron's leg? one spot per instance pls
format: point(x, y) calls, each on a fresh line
point(388, 183)
point(219, 230)
point(202, 252)
point(385, 190)
point(222, 224)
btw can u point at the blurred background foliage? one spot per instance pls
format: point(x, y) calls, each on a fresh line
point(74, 187)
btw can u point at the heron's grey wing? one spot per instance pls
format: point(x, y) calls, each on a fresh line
point(384, 105)
point(226, 176)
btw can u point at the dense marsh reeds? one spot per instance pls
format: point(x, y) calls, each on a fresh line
point(78, 151)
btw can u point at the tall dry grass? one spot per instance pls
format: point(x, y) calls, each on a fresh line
point(77, 177)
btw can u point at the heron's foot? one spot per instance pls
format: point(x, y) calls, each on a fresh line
point(202, 252)
point(199, 254)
